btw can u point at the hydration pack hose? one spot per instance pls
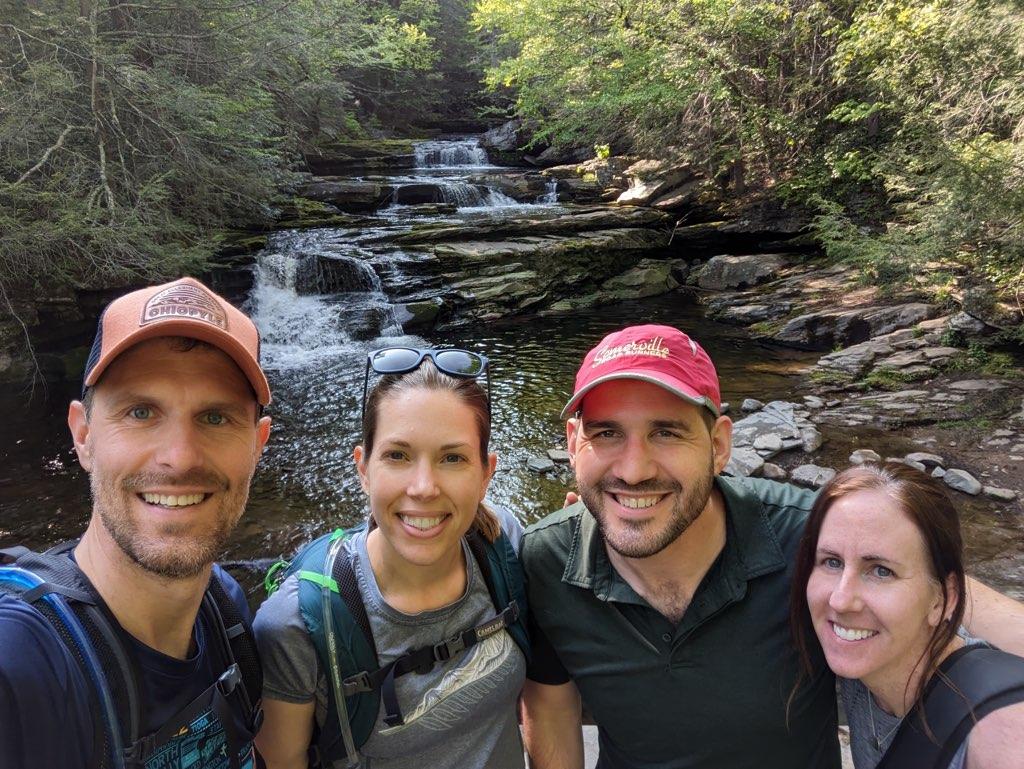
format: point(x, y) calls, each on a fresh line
point(351, 755)
point(29, 581)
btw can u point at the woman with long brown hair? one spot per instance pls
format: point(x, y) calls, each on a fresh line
point(411, 599)
point(879, 581)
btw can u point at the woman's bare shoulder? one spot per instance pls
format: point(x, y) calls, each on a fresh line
point(995, 742)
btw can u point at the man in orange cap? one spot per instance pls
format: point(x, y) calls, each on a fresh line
point(152, 663)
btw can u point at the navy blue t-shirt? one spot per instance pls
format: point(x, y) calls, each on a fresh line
point(45, 718)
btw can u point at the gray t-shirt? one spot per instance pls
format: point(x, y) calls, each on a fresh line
point(462, 714)
point(872, 729)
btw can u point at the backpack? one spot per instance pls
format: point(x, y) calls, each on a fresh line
point(333, 612)
point(970, 683)
point(54, 585)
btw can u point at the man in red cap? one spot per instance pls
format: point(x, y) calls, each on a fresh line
point(662, 596)
point(131, 648)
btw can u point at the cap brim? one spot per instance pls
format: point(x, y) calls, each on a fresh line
point(671, 384)
point(202, 331)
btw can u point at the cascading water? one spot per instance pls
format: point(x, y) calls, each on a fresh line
point(462, 153)
point(550, 195)
point(311, 299)
point(441, 168)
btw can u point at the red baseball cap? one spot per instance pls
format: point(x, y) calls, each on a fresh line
point(183, 307)
point(661, 355)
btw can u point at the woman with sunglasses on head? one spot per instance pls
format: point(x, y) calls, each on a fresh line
point(879, 579)
point(401, 643)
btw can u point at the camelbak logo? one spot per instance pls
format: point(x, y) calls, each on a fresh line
point(651, 347)
point(184, 301)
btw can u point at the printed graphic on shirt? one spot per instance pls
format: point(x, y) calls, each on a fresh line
point(200, 745)
point(459, 690)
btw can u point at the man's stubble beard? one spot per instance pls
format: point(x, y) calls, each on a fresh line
point(175, 554)
point(644, 542)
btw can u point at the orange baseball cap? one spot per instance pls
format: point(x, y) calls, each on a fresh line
point(183, 307)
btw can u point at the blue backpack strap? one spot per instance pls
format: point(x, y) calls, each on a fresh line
point(970, 683)
point(355, 652)
point(55, 586)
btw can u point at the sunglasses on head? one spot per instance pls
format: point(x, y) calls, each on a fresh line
point(402, 360)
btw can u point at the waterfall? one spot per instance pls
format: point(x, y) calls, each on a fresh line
point(462, 153)
point(310, 299)
point(550, 195)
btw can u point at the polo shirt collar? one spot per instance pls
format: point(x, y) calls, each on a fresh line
point(751, 547)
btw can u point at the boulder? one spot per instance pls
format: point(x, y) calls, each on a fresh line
point(812, 476)
point(652, 179)
point(1003, 495)
point(812, 439)
point(751, 405)
point(856, 360)
point(748, 314)
point(961, 480)
point(925, 458)
point(558, 455)
point(825, 329)
point(743, 462)
point(348, 194)
point(504, 137)
point(540, 464)
point(860, 456)
point(965, 323)
point(983, 302)
point(908, 462)
point(977, 385)
point(683, 196)
point(726, 271)
point(770, 443)
point(416, 316)
point(649, 278)
point(938, 472)
point(554, 156)
point(773, 472)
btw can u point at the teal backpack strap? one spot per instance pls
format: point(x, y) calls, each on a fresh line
point(329, 597)
point(333, 666)
point(505, 581)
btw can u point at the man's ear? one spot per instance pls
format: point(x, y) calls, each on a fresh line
point(721, 443)
point(573, 430)
point(78, 423)
point(262, 433)
point(360, 460)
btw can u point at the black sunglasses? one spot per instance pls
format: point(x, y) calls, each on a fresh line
point(402, 360)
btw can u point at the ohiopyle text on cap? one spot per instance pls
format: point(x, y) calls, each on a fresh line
point(661, 355)
point(184, 307)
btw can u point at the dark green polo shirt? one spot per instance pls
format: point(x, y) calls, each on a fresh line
point(709, 692)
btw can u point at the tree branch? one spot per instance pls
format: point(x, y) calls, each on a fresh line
point(46, 155)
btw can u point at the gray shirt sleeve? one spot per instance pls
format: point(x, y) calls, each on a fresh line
point(290, 664)
point(509, 524)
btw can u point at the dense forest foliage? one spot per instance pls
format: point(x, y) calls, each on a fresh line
point(900, 122)
point(133, 134)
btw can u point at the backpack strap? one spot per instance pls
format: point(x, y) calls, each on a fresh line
point(329, 598)
point(970, 683)
point(361, 682)
point(57, 588)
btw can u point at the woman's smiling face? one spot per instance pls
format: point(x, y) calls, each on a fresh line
point(425, 477)
point(873, 599)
